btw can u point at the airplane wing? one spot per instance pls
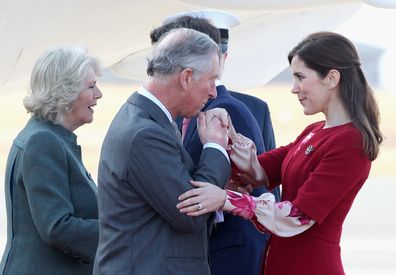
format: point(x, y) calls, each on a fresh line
point(259, 46)
point(118, 31)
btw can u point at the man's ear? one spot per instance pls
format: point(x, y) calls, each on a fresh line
point(333, 78)
point(185, 78)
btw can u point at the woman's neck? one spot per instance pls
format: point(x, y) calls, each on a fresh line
point(336, 115)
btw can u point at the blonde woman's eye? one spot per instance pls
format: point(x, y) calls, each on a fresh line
point(93, 85)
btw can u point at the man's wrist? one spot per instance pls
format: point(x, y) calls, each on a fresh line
point(217, 146)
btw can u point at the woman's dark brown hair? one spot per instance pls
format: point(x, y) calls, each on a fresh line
point(324, 51)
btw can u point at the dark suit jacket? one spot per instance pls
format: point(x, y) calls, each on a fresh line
point(261, 113)
point(143, 169)
point(51, 204)
point(236, 247)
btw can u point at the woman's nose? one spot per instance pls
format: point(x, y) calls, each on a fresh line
point(98, 93)
point(295, 88)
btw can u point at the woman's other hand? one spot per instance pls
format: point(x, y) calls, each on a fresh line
point(205, 198)
point(237, 185)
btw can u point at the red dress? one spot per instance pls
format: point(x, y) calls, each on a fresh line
point(321, 173)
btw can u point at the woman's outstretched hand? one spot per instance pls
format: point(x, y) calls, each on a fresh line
point(205, 198)
point(246, 169)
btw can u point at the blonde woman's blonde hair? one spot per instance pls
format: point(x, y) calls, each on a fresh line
point(56, 81)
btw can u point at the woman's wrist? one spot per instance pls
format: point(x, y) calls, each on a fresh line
point(227, 207)
point(224, 200)
point(242, 205)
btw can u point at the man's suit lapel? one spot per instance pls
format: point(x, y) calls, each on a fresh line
point(190, 131)
point(152, 109)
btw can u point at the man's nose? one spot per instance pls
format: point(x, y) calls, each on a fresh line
point(213, 91)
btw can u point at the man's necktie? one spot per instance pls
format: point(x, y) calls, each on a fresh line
point(174, 125)
point(185, 123)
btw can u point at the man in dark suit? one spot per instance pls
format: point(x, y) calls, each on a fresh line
point(236, 247)
point(144, 166)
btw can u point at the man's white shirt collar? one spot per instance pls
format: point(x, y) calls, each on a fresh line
point(142, 91)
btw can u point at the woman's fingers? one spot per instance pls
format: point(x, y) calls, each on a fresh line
point(192, 206)
point(191, 197)
point(204, 198)
point(197, 213)
point(187, 202)
point(245, 189)
point(193, 192)
point(188, 194)
point(189, 207)
point(218, 113)
point(245, 179)
point(199, 183)
point(231, 132)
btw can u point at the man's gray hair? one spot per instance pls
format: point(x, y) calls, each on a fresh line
point(180, 49)
point(57, 79)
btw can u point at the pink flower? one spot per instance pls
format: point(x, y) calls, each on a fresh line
point(244, 205)
point(281, 204)
point(295, 213)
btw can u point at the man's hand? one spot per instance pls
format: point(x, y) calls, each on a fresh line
point(218, 113)
point(212, 127)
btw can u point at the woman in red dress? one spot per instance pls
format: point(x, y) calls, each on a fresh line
point(321, 171)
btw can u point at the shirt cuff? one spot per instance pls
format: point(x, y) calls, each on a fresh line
point(217, 146)
point(219, 216)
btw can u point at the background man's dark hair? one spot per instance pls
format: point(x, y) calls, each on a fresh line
point(196, 23)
